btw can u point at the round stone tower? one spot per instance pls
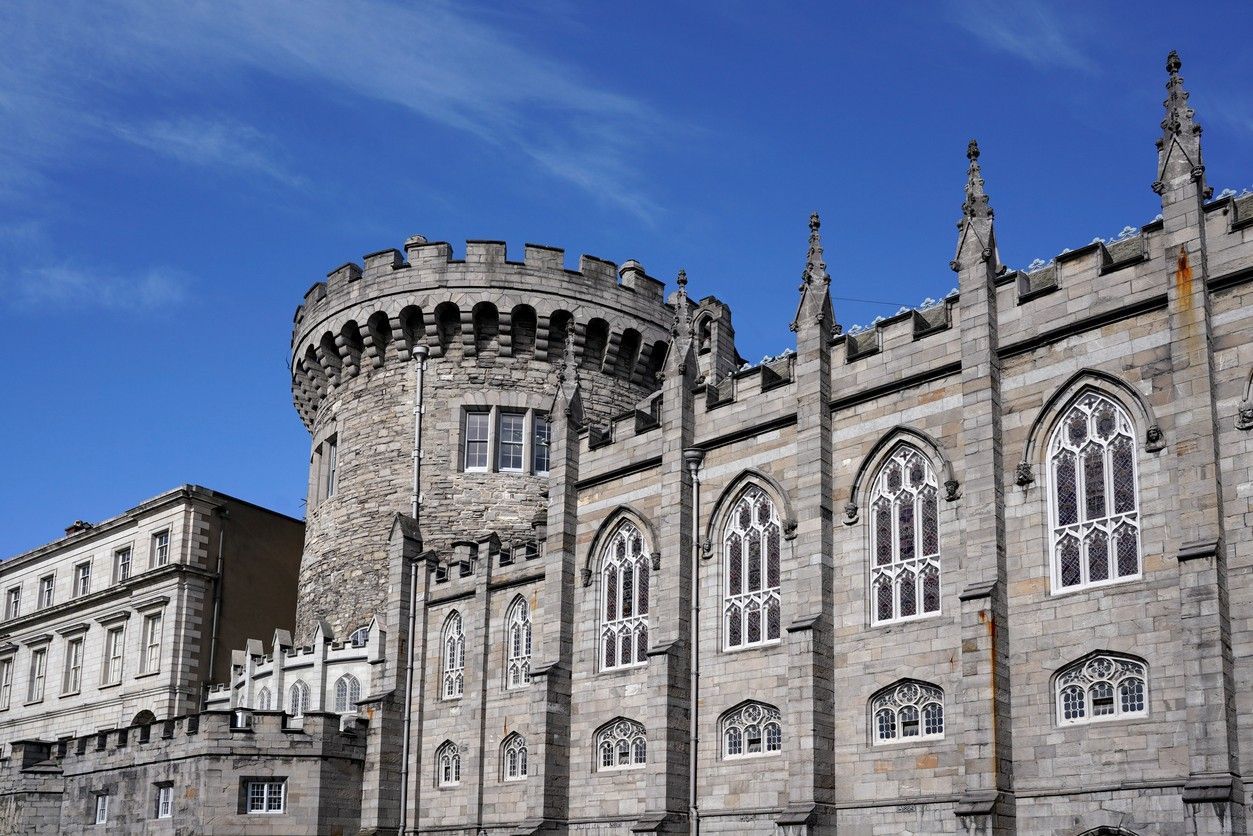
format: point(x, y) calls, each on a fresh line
point(496, 331)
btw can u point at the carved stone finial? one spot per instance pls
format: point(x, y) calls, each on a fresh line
point(976, 203)
point(815, 281)
point(1179, 148)
point(972, 150)
point(814, 222)
point(1024, 473)
point(1173, 64)
point(681, 280)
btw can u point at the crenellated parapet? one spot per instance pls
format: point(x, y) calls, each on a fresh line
point(482, 307)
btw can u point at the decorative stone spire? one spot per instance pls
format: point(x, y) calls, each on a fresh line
point(1179, 148)
point(568, 399)
point(815, 301)
point(975, 237)
point(682, 336)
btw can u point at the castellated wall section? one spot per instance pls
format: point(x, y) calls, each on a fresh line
point(496, 330)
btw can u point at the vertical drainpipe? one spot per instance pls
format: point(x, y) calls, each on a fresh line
point(222, 514)
point(420, 352)
point(693, 457)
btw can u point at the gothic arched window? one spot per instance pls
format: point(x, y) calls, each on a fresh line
point(347, 693)
point(907, 711)
point(1100, 688)
point(752, 543)
point(753, 728)
point(263, 699)
point(513, 757)
point(624, 600)
point(518, 652)
point(454, 645)
point(904, 539)
point(1094, 500)
point(298, 699)
point(621, 744)
point(448, 764)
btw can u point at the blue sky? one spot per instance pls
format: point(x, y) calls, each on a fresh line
point(173, 176)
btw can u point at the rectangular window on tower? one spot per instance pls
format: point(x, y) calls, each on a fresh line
point(539, 445)
point(150, 660)
point(511, 441)
point(331, 458)
point(476, 431)
point(72, 680)
point(114, 644)
point(161, 548)
point(38, 672)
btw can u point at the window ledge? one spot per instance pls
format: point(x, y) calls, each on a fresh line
point(760, 646)
point(902, 622)
point(32, 702)
point(107, 685)
point(71, 693)
point(147, 674)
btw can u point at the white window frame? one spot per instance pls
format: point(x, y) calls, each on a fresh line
point(518, 644)
point(271, 792)
point(1086, 675)
point(513, 758)
point(474, 416)
point(347, 694)
point(72, 677)
point(161, 548)
point(511, 447)
point(150, 656)
point(114, 655)
point(626, 741)
point(82, 579)
point(47, 591)
point(624, 559)
point(102, 808)
point(739, 606)
point(453, 652)
point(36, 684)
point(904, 702)
point(904, 572)
point(447, 765)
point(6, 682)
point(541, 444)
point(737, 726)
point(123, 563)
point(297, 699)
point(13, 603)
point(1113, 525)
point(165, 801)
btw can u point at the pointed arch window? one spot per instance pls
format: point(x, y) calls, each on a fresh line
point(513, 758)
point(518, 652)
point(907, 711)
point(448, 764)
point(1102, 687)
point(752, 729)
point(454, 649)
point(624, 600)
point(904, 539)
point(1094, 496)
point(298, 699)
point(263, 699)
point(621, 745)
point(752, 545)
point(347, 693)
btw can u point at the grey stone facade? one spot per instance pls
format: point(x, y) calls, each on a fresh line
point(668, 434)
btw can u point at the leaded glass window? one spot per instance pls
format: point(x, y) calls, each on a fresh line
point(448, 764)
point(518, 635)
point(624, 599)
point(454, 648)
point(1094, 498)
point(905, 539)
point(347, 693)
point(513, 758)
point(753, 545)
point(907, 711)
point(1104, 687)
point(621, 745)
point(753, 728)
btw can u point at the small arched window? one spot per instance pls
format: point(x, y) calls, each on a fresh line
point(752, 729)
point(1103, 687)
point(1094, 498)
point(298, 699)
point(904, 539)
point(513, 758)
point(360, 637)
point(624, 600)
point(518, 652)
point(907, 711)
point(347, 693)
point(621, 744)
point(751, 614)
point(454, 646)
point(448, 764)
point(264, 699)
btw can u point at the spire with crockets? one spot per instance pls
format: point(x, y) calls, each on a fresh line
point(815, 287)
point(1179, 148)
point(975, 234)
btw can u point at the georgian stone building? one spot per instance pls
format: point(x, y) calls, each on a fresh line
point(572, 566)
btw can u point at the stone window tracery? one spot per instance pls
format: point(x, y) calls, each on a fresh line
point(263, 699)
point(904, 539)
point(454, 648)
point(1093, 496)
point(624, 600)
point(753, 543)
point(513, 752)
point(448, 764)
point(750, 730)
point(347, 693)
point(622, 744)
point(518, 652)
point(298, 699)
point(1104, 687)
point(907, 711)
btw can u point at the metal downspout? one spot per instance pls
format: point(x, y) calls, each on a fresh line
point(693, 458)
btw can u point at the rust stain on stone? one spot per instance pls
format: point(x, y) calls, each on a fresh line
point(1183, 277)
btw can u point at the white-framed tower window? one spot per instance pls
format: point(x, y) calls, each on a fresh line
point(905, 712)
point(1101, 687)
point(1094, 497)
point(624, 600)
point(161, 548)
point(72, 680)
point(751, 729)
point(114, 649)
point(347, 694)
point(298, 699)
point(621, 744)
point(513, 757)
point(512, 436)
point(478, 427)
point(518, 635)
point(6, 682)
point(267, 797)
point(165, 801)
point(102, 808)
point(904, 539)
point(541, 441)
point(38, 673)
point(150, 660)
point(448, 764)
point(454, 645)
point(751, 611)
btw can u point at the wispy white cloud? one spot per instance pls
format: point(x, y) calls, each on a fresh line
point(222, 143)
point(1029, 30)
point(68, 286)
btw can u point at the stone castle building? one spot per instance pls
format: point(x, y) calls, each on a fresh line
point(572, 566)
